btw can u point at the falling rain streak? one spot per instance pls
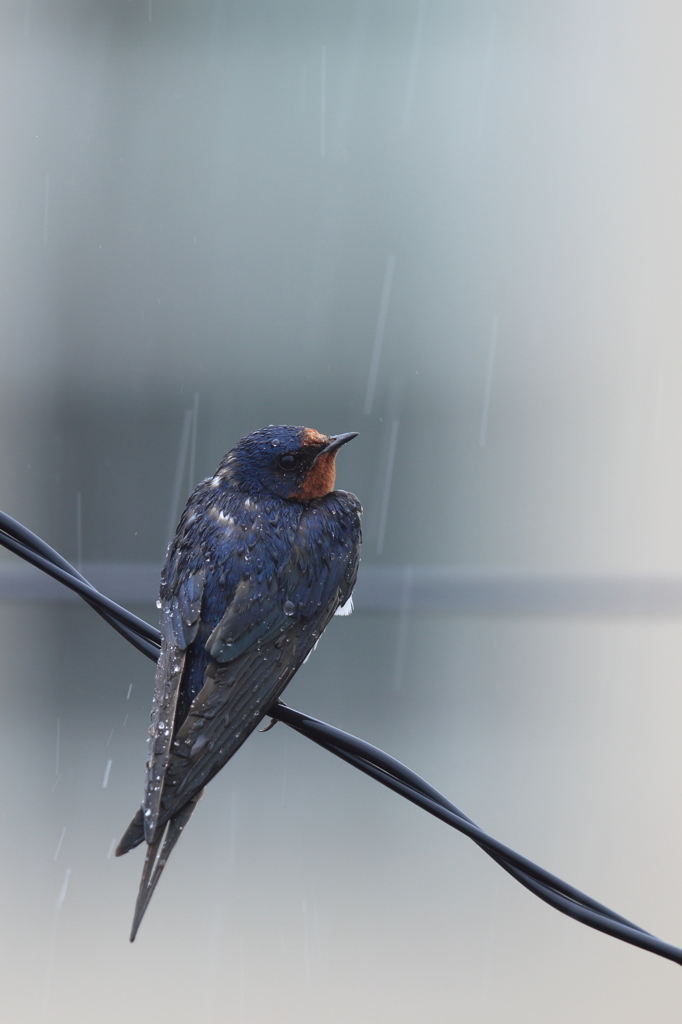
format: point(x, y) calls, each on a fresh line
point(106, 774)
point(379, 335)
point(59, 844)
point(323, 102)
point(179, 473)
point(659, 405)
point(46, 207)
point(403, 627)
point(242, 982)
point(306, 943)
point(302, 88)
point(193, 445)
point(187, 453)
point(62, 891)
point(414, 65)
point(488, 382)
point(53, 941)
point(485, 84)
point(387, 485)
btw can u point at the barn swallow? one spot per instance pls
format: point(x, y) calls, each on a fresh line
point(265, 554)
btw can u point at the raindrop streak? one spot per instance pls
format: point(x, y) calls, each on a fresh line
point(62, 891)
point(659, 405)
point(106, 775)
point(59, 844)
point(490, 950)
point(485, 84)
point(316, 929)
point(242, 982)
point(387, 485)
point(46, 207)
point(109, 740)
point(53, 942)
point(302, 89)
point(306, 943)
point(193, 445)
point(111, 848)
point(323, 102)
point(285, 761)
point(414, 65)
point(379, 335)
point(179, 473)
point(79, 532)
point(232, 843)
point(130, 690)
point(489, 381)
point(403, 626)
point(56, 759)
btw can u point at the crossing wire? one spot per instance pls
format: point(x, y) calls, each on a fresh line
point(356, 752)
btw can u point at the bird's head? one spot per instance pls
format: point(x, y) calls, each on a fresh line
point(296, 463)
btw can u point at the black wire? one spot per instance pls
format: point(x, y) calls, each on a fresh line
point(27, 545)
point(362, 755)
point(548, 887)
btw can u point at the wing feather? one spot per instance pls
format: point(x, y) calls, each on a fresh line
point(265, 634)
point(176, 635)
point(252, 630)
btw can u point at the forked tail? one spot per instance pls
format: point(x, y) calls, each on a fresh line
point(158, 852)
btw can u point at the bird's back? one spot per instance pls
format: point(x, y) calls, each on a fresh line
point(275, 573)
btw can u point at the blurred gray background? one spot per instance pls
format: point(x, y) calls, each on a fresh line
point(454, 227)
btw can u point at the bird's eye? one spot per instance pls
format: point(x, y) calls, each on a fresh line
point(287, 461)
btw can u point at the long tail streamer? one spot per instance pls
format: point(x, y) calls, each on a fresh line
point(367, 758)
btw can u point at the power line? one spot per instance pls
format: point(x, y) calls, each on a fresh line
point(360, 754)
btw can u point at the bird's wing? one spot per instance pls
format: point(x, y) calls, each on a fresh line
point(273, 635)
point(264, 635)
point(269, 623)
point(232, 702)
point(180, 618)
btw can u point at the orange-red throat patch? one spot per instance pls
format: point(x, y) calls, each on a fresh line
point(320, 479)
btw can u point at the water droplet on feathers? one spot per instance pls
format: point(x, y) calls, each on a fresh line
point(198, 746)
point(289, 607)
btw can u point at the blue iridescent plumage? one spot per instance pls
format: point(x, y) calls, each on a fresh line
point(264, 555)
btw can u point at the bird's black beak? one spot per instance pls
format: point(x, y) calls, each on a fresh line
point(336, 442)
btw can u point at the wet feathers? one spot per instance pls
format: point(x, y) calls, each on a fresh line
point(252, 578)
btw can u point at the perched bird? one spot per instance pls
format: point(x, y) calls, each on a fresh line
point(265, 554)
